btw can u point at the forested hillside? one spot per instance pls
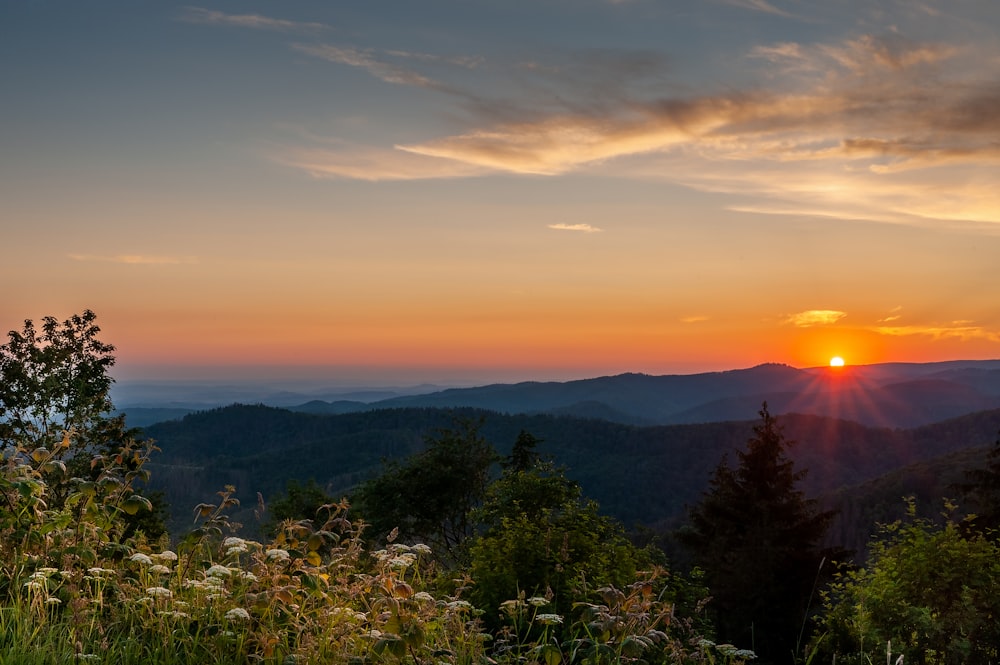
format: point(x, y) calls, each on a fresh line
point(640, 475)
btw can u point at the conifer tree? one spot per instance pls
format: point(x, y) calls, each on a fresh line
point(757, 538)
point(983, 488)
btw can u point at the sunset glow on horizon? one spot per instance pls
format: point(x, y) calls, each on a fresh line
point(509, 189)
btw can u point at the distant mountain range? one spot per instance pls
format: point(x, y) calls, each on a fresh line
point(643, 446)
point(883, 395)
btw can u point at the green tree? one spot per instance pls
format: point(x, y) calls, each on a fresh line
point(756, 537)
point(55, 404)
point(928, 591)
point(429, 496)
point(541, 537)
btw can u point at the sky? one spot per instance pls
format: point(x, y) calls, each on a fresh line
point(496, 190)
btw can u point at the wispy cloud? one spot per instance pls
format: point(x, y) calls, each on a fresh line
point(366, 59)
point(758, 6)
point(581, 228)
point(465, 61)
point(961, 330)
point(135, 259)
point(694, 319)
point(815, 317)
point(252, 21)
point(892, 316)
point(349, 161)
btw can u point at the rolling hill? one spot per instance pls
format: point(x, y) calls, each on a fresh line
point(639, 474)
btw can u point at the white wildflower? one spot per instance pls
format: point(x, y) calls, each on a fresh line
point(238, 614)
point(459, 605)
point(248, 576)
point(278, 555)
point(423, 597)
point(166, 555)
point(53, 601)
point(159, 569)
point(219, 571)
point(538, 601)
point(402, 561)
point(420, 548)
point(237, 549)
point(511, 606)
point(141, 558)
point(233, 541)
point(159, 592)
point(548, 619)
point(173, 614)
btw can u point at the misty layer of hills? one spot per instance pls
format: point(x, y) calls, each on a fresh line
point(886, 395)
point(867, 435)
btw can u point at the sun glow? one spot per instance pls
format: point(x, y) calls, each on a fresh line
point(836, 361)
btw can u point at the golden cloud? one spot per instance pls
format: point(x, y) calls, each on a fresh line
point(957, 330)
point(815, 317)
point(582, 228)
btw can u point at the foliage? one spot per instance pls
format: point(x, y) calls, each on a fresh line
point(55, 406)
point(429, 497)
point(756, 537)
point(540, 536)
point(929, 592)
point(636, 623)
point(55, 380)
point(299, 502)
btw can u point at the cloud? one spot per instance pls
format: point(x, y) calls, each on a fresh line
point(135, 259)
point(873, 127)
point(893, 315)
point(582, 228)
point(253, 21)
point(350, 161)
point(758, 6)
point(957, 330)
point(365, 59)
point(815, 317)
point(464, 61)
point(694, 319)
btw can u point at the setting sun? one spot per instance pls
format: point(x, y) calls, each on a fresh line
point(836, 361)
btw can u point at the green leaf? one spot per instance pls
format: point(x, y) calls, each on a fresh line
point(134, 503)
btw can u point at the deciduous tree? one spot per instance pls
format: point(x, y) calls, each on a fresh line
point(429, 496)
point(55, 403)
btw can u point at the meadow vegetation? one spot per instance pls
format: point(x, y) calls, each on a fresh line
point(515, 567)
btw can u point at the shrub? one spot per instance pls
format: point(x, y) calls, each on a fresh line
point(929, 591)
